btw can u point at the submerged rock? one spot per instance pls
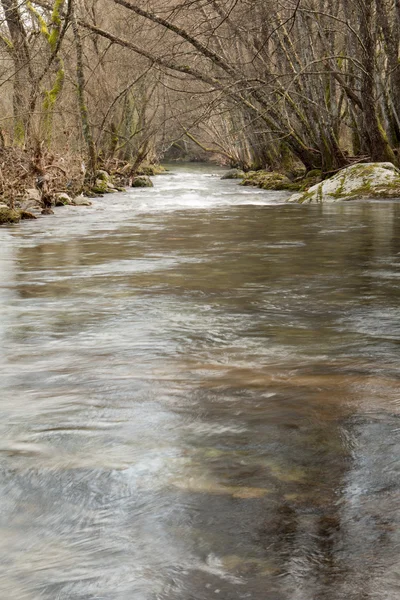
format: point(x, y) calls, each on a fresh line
point(142, 181)
point(8, 215)
point(234, 174)
point(367, 180)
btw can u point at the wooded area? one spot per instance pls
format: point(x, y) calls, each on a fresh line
point(258, 83)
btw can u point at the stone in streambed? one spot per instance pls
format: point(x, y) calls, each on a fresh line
point(142, 181)
point(26, 215)
point(8, 215)
point(81, 201)
point(62, 199)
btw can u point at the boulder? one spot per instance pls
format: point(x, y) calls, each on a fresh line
point(102, 175)
point(8, 215)
point(364, 180)
point(25, 214)
point(62, 199)
point(268, 180)
point(81, 201)
point(142, 181)
point(233, 174)
point(150, 169)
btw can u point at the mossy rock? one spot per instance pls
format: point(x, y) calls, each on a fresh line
point(234, 174)
point(103, 175)
point(26, 215)
point(150, 170)
point(366, 180)
point(142, 181)
point(9, 215)
point(267, 180)
point(62, 199)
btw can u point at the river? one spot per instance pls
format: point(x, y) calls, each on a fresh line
point(200, 398)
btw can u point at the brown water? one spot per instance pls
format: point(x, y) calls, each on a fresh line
point(200, 398)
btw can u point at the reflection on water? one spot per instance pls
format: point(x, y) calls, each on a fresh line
point(200, 398)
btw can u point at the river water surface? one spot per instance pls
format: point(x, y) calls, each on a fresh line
point(200, 398)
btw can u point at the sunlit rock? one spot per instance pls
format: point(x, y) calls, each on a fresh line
point(368, 180)
point(62, 199)
point(81, 201)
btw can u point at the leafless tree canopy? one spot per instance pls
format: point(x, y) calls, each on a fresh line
point(259, 83)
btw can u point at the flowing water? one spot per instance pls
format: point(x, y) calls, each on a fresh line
point(200, 398)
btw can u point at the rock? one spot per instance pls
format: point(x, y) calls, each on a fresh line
point(47, 211)
point(268, 180)
point(81, 201)
point(147, 169)
point(62, 199)
point(102, 175)
point(234, 174)
point(142, 181)
point(25, 214)
point(8, 215)
point(366, 180)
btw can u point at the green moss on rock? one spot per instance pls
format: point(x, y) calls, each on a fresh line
point(234, 174)
point(149, 170)
point(267, 180)
point(367, 180)
point(142, 181)
point(9, 215)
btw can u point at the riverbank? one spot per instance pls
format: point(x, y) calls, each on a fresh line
point(36, 184)
point(357, 181)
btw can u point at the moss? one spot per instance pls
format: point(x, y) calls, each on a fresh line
point(19, 131)
point(52, 95)
point(305, 197)
point(234, 174)
point(269, 181)
point(102, 176)
point(150, 170)
point(143, 181)
point(56, 14)
point(42, 23)
point(7, 42)
point(313, 174)
point(339, 191)
point(50, 98)
point(9, 216)
point(370, 184)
